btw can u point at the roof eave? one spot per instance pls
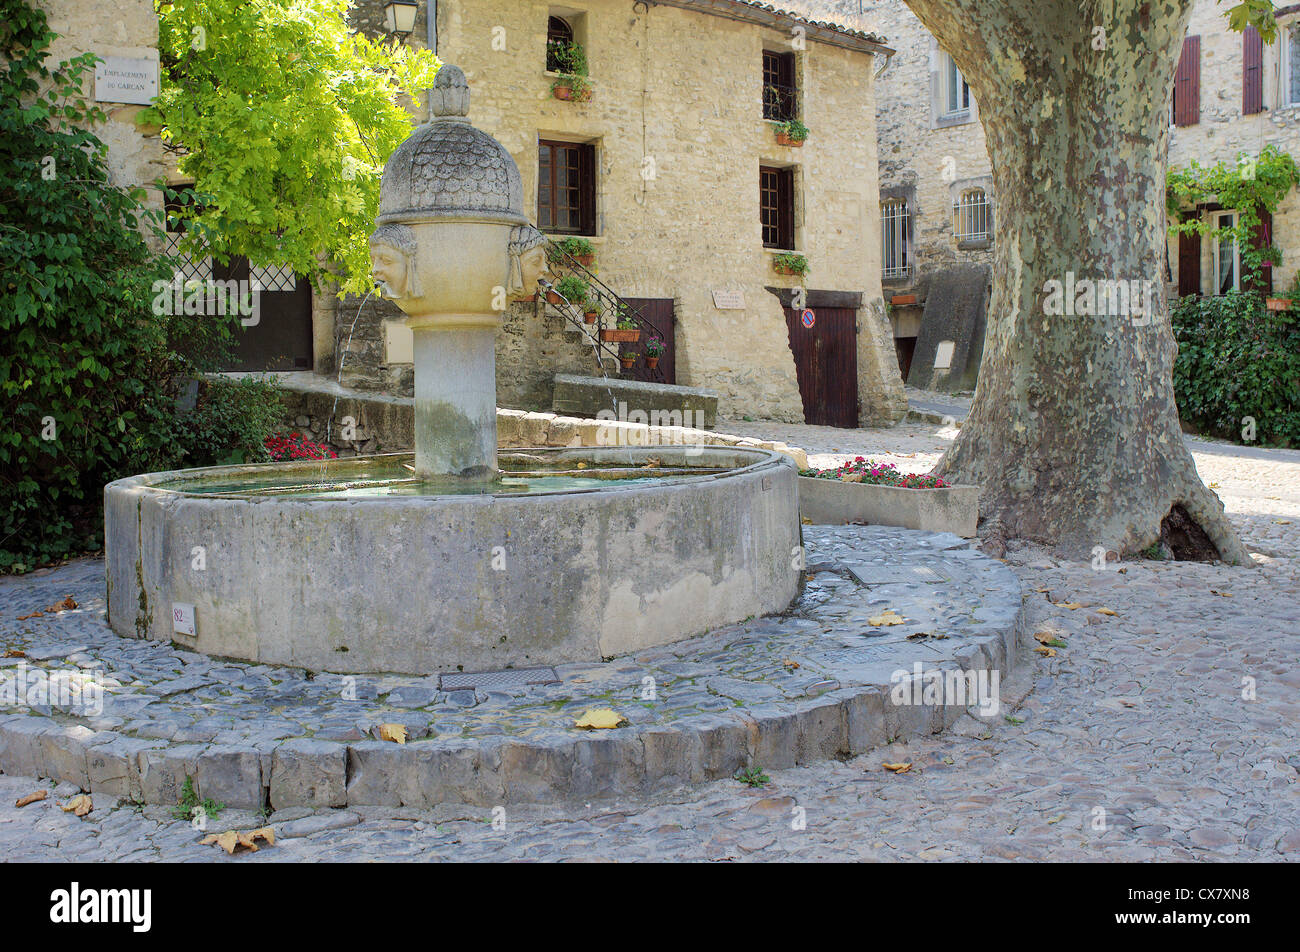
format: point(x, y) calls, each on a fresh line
point(749, 13)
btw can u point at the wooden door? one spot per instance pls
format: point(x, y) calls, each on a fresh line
point(282, 337)
point(826, 362)
point(659, 313)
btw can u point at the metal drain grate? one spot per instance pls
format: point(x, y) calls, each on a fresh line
point(893, 574)
point(512, 678)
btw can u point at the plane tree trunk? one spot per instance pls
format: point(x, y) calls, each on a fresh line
point(1073, 434)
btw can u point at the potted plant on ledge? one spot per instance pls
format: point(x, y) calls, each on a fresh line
point(791, 133)
point(571, 289)
point(579, 248)
point(627, 359)
point(625, 332)
point(654, 349)
point(790, 263)
point(570, 61)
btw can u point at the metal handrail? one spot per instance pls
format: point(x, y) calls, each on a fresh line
point(610, 308)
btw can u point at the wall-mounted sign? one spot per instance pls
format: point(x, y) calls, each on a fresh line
point(183, 619)
point(122, 79)
point(808, 317)
point(729, 300)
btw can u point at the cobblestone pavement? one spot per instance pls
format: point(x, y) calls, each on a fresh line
point(144, 715)
point(1170, 730)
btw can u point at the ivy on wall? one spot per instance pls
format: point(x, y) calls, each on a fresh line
point(1249, 186)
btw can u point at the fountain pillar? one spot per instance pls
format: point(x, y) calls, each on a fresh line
point(451, 248)
point(455, 400)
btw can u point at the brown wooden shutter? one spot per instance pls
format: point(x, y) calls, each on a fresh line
point(1261, 236)
point(587, 178)
point(1189, 264)
point(1187, 84)
point(1252, 71)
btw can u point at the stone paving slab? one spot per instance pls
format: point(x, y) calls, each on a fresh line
point(774, 692)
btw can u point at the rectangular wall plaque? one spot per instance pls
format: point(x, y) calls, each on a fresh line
point(183, 619)
point(729, 300)
point(123, 79)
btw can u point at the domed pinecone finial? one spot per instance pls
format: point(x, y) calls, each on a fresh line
point(449, 98)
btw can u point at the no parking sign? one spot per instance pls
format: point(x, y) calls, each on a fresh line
point(808, 317)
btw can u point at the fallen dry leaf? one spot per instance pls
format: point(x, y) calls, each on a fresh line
point(394, 732)
point(1215, 591)
point(1106, 611)
point(790, 664)
point(233, 839)
point(887, 617)
point(66, 605)
point(32, 798)
point(926, 635)
point(15, 653)
point(1045, 651)
point(600, 718)
point(652, 462)
point(32, 615)
point(80, 805)
point(1047, 638)
point(805, 520)
point(898, 768)
point(1073, 606)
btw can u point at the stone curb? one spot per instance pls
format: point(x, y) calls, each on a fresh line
point(542, 767)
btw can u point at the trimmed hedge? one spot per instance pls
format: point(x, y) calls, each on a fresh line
point(1238, 361)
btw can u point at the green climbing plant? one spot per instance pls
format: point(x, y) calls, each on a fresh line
point(283, 117)
point(1252, 184)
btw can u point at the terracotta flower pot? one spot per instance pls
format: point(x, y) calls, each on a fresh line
point(590, 317)
point(585, 260)
point(621, 335)
point(783, 139)
point(651, 363)
point(782, 269)
point(562, 92)
point(627, 362)
point(554, 298)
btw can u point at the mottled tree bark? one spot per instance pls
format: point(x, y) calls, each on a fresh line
point(1074, 433)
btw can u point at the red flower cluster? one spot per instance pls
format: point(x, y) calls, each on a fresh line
point(295, 446)
point(880, 474)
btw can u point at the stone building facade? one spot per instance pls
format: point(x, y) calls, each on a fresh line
point(1238, 97)
point(129, 29)
point(1246, 95)
point(937, 202)
point(675, 138)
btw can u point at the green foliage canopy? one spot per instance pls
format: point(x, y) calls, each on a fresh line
point(284, 118)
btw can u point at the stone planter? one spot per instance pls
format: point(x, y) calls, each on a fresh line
point(834, 502)
point(621, 335)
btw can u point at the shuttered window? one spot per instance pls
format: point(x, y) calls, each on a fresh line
point(1187, 84)
point(1252, 71)
point(566, 188)
point(1261, 236)
point(1189, 264)
point(776, 207)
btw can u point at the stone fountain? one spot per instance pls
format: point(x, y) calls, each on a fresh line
point(454, 558)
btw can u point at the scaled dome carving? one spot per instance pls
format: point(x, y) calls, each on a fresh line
point(447, 169)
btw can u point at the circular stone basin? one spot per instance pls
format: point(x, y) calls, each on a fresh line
point(354, 565)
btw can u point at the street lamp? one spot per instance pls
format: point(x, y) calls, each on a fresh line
point(399, 17)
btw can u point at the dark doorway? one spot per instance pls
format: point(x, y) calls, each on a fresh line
point(826, 362)
point(904, 347)
point(282, 337)
point(659, 313)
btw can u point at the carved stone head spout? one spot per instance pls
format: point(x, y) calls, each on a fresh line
point(528, 262)
point(393, 262)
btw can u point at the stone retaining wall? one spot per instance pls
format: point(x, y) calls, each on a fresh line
point(383, 424)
